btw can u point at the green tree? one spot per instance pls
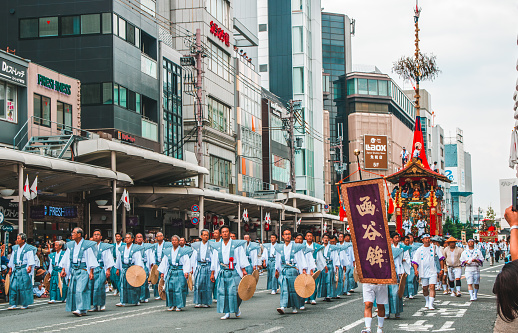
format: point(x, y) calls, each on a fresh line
point(490, 214)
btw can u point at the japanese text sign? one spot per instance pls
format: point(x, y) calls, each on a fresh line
point(364, 202)
point(375, 152)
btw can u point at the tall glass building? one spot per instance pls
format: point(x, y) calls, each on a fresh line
point(336, 61)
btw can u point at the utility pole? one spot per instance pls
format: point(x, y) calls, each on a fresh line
point(291, 133)
point(340, 168)
point(199, 72)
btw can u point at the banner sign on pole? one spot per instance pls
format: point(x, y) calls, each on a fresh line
point(364, 202)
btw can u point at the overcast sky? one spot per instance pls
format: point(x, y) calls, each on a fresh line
point(475, 42)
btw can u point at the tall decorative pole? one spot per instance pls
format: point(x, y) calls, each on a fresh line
point(417, 12)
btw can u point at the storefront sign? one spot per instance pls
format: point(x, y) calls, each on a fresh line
point(54, 85)
point(220, 33)
point(39, 212)
point(375, 152)
point(9, 209)
point(125, 137)
point(13, 72)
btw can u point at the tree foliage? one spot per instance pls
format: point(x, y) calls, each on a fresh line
point(490, 214)
point(423, 69)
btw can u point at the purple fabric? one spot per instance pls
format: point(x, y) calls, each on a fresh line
point(413, 262)
point(370, 223)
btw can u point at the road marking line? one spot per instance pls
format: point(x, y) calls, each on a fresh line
point(352, 325)
point(273, 329)
point(342, 304)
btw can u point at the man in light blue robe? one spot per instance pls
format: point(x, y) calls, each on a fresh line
point(103, 254)
point(158, 252)
point(350, 284)
point(174, 269)
point(326, 287)
point(251, 250)
point(412, 282)
point(268, 258)
point(127, 256)
point(201, 262)
point(148, 258)
point(400, 256)
point(78, 264)
point(216, 239)
point(21, 267)
point(228, 266)
point(290, 261)
point(55, 271)
point(340, 284)
point(320, 263)
point(115, 279)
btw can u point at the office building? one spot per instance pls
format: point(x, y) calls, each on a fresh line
point(290, 64)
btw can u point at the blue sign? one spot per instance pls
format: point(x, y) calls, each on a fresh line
point(6, 227)
point(195, 220)
point(195, 208)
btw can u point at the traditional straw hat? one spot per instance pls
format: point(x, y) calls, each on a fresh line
point(161, 289)
point(40, 272)
point(136, 276)
point(255, 274)
point(246, 287)
point(304, 285)
point(46, 281)
point(316, 275)
point(153, 275)
point(451, 239)
point(189, 281)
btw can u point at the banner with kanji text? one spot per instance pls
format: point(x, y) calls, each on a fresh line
point(364, 202)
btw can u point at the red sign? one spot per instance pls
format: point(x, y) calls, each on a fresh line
point(125, 137)
point(220, 33)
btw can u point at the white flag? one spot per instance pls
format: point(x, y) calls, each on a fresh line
point(125, 200)
point(26, 190)
point(299, 221)
point(245, 215)
point(34, 188)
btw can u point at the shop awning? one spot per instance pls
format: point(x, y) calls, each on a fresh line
point(313, 218)
point(142, 165)
point(303, 202)
point(182, 198)
point(55, 175)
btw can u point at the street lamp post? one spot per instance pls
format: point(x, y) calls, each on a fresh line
point(357, 153)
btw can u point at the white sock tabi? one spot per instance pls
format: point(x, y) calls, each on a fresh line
point(426, 298)
point(368, 322)
point(381, 321)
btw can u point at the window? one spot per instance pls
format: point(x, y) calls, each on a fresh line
point(148, 66)
point(383, 88)
point(91, 94)
point(298, 80)
point(41, 110)
point(138, 104)
point(130, 33)
point(107, 93)
point(107, 23)
point(221, 171)
point(373, 87)
point(296, 5)
point(122, 96)
point(28, 28)
point(363, 87)
point(8, 102)
point(219, 62)
point(122, 28)
point(48, 26)
point(298, 41)
point(64, 115)
point(148, 6)
point(115, 24)
point(263, 68)
point(263, 27)
point(90, 24)
point(149, 130)
point(219, 9)
point(137, 37)
point(70, 25)
point(219, 116)
point(116, 94)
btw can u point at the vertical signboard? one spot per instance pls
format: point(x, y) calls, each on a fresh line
point(375, 151)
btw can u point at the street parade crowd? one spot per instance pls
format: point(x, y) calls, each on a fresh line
point(225, 270)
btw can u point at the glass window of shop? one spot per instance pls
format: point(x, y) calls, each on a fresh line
point(8, 102)
point(41, 110)
point(53, 230)
point(64, 115)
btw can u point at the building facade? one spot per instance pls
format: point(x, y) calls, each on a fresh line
point(113, 51)
point(290, 64)
point(377, 109)
point(458, 170)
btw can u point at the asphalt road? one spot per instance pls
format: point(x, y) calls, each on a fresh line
point(453, 314)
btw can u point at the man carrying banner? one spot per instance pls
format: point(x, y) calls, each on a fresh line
point(289, 263)
point(425, 265)
point(268, 258)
